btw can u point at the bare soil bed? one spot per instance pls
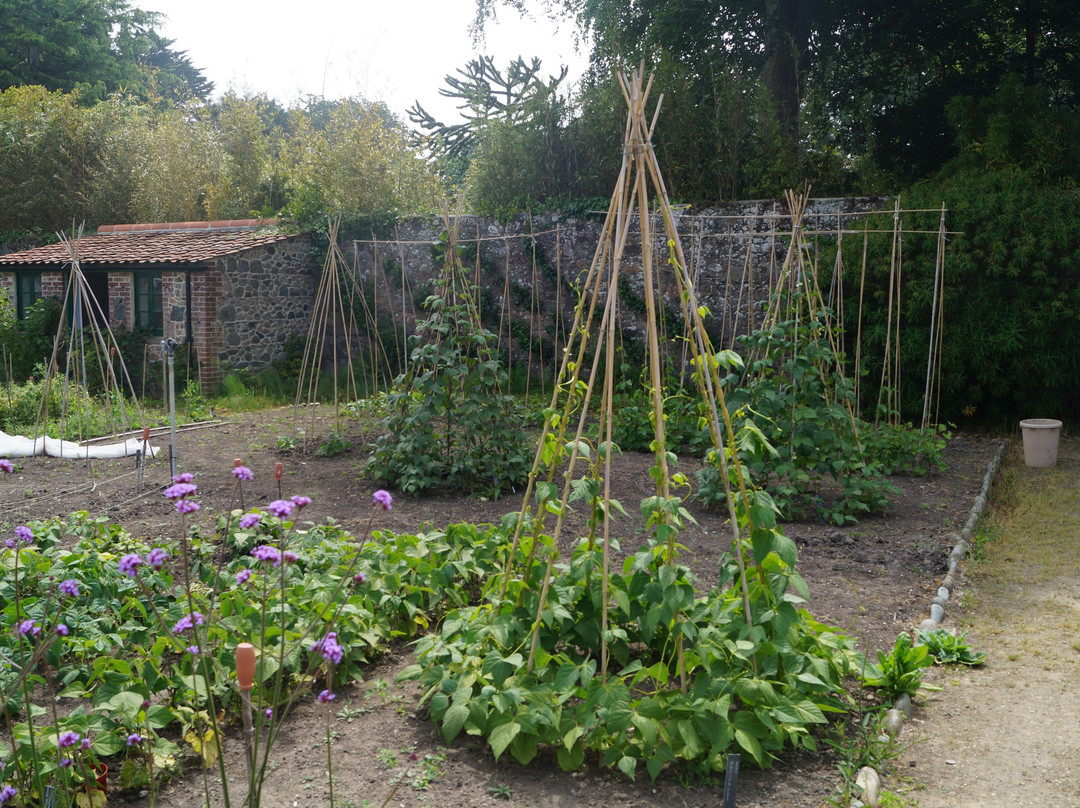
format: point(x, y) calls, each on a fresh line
point(872, 579)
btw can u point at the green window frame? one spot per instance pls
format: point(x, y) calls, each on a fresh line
point(27, 292)
point(148, 302)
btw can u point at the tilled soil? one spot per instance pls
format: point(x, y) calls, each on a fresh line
point(872, 580)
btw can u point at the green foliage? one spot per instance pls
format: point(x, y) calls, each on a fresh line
point(793, 415)
point(450, 420)
point(754, 689)
point(333, 446)
point(949, 649)
point(901, 670)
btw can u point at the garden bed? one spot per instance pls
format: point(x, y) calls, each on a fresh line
point(872, 580)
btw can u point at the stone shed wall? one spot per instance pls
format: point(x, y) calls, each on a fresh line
point(266, 296)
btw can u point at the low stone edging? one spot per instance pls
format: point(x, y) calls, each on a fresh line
point(868, 779)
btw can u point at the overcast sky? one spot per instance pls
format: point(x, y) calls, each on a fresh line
point(396, 52)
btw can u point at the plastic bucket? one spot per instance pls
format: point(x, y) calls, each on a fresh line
point(1041, 442)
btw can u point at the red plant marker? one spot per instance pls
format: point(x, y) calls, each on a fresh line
point(279, 470)
point(237, 463)
point(245, 665)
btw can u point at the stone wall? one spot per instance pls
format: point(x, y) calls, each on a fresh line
point(734, 252)
point(266, 295)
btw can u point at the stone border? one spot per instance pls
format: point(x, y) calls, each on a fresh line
point(891, 725)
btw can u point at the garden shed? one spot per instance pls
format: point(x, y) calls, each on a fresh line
point(237, 289)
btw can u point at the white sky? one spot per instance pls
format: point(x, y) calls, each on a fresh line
point(395, 52)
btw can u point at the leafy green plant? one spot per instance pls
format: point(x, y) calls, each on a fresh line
point(333, 446)
point(195, 404)
point(450, 420)
point(901, 670)
point(949, 649)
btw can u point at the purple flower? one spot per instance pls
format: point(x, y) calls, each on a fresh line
point(65, 762)
point(70, 587)
point(269, 713)
point(156, 558)
point(359, 578)
point(413, 756)
point(84, 743)
point(243, 473)
point(61, 629)
point(146, 704)
point(129, 564)
point(264, 552)
point(243, 576)
point(280, 508)
point(7, 468)
point(329, 648)
point(290, 557)
point(28, 628)
point(67, 739)
point(10, 544)
point(180, 490)
point(193, 650)
point(187, 621)
point(249, 520)
point(134, 739)
point(186, 506)
point(7, 793)
point(300, 501)
point(382, 499)
point(186, 477)
point(326, 697)
point(23, 533)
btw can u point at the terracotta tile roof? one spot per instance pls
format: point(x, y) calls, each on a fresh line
point(175, 243)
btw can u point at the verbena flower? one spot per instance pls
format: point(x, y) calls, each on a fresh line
point(300, 501)
point(180, 490)
point(186, 506)
point(249, 520)
point(157, 557)
point(280, 508)
point(359, 578)
point(7, 468)
point(69, 587)
point(10, 544)
point(413, 756)
point(185, 477)
point(84, 743)
point(65, 762)
point(326, 697)
point(269, 712)
point(7, 794)
point(243, 576)
point(264, 552)
point(61, 629)
point(188, 621)
point(382, 499)
point(330, 649)
point(67, 739)
point(23, 533)
point(243, 473)
point(290, 557)
point(193, 650)
point(29, 628)
point(134, 739)
point(128, 565)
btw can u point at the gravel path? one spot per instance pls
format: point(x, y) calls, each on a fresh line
point(1008, 734)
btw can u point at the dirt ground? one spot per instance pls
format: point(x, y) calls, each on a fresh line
point(872, 579)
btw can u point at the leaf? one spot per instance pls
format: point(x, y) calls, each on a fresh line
point(502, 735)
point(454, 720)
point(627, 765)
point(206, 746)
point(572, 758)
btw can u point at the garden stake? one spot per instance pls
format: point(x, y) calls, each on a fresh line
point(279, 470)
point(170, 349)
point(245, 675)
point(731, 780)
point(237, 463)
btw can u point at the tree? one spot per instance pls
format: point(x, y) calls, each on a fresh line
point(486, 95)
point(95, 47)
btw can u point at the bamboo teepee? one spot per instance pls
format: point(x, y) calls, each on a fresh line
point(594, 334)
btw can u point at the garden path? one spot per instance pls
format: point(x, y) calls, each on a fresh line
point(1008, 734)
